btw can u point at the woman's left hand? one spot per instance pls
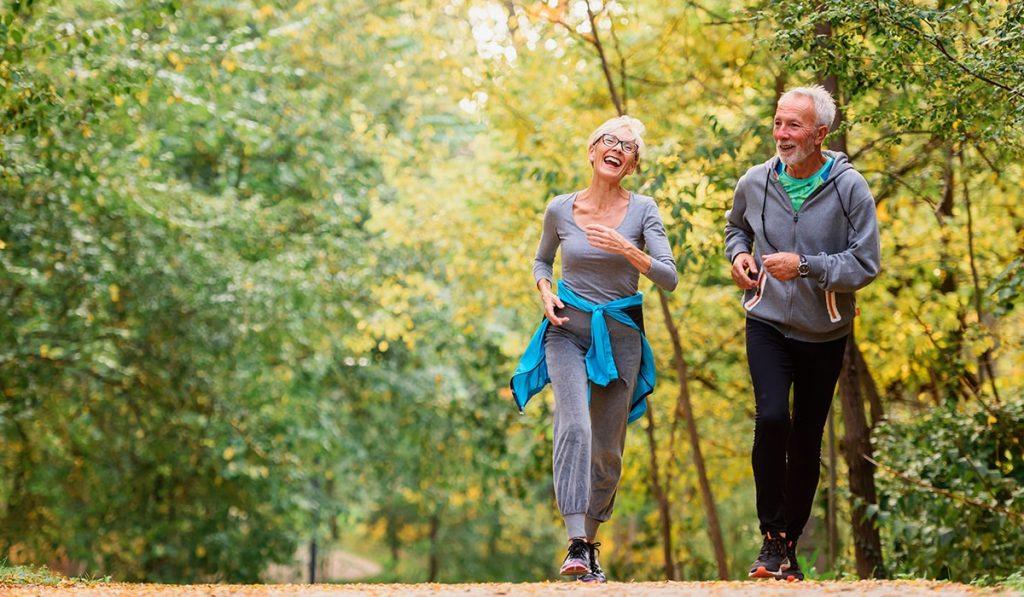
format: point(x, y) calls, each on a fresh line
point(607, 239)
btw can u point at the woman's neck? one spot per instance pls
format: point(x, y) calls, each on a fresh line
point(604, 194)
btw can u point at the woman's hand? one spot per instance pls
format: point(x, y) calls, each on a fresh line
point(607, 239)
point(551, 301)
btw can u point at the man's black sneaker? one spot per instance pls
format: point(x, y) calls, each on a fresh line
point(595, 574)
point(792, 572)
point(577, 560)
point(772, 560)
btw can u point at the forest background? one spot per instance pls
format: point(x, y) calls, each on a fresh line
point(265, 272)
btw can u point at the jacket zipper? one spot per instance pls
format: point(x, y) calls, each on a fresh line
point(773, 177)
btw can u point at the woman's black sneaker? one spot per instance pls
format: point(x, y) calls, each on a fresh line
point(577, 560)
point(792, 572)
point(772, 560)
point(595, 574)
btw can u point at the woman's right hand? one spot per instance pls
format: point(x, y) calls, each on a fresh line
point(551, 301)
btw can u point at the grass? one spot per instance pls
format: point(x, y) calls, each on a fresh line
point(40, 575)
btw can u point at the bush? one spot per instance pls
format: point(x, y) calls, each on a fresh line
point(974, 454)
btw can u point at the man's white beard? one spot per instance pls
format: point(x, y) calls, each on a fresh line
point(800, 154)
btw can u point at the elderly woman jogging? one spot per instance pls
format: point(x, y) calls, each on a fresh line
point(590, 344)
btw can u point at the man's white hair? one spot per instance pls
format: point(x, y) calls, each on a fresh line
point(824, 105)
point(612, 124)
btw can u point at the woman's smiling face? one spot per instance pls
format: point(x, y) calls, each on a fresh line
point(614, 163)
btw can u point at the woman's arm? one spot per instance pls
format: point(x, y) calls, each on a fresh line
point(663, 265)
point(659, 266)
point(543, 270)
point(544, 261)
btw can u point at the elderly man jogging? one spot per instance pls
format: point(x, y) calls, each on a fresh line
point(809, 218)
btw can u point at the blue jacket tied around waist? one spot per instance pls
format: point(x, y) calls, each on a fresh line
point(531, 375)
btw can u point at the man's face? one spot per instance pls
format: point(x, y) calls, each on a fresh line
point(797, 136)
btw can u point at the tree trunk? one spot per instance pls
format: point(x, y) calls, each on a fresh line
point(686, 409)
point(432, 564)
point(856, 445)
point(659, 494)
point(857, 435)
point(831, 526)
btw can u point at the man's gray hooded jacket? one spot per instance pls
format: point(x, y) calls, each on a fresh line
point(835, 230)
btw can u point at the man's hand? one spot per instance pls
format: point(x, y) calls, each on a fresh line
point(744, 271)
point(782, 266)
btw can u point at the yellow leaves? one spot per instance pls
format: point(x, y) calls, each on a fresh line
point(142, 96)
point(176, 61)
point(383, 346)
point(115, 292)
point(44, 351)
point(228, 63)
point(229, 453)
point(3, 245)
point(284, 373)
point(359, 123)
point(265, 12)
point(882, 213)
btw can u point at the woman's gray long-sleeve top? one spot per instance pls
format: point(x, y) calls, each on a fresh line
point(595, 274)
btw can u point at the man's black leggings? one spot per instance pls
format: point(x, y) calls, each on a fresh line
point(787, 452)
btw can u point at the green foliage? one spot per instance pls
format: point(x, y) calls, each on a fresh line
point(29, 575)
point(264, 266)
point(41, 575)
point(975, 455)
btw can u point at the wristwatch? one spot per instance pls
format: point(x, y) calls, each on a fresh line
point(803, 269)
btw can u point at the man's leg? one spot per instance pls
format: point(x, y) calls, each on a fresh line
point(817, 369)
point(771, 370)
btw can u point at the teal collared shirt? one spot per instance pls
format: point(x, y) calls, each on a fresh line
point(531, 375)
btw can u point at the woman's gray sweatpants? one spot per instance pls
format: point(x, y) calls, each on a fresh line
point(588, 439)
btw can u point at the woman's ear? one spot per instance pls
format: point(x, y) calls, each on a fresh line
point(590, 155)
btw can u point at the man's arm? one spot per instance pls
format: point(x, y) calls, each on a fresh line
point(860, 263)
point(739, 237)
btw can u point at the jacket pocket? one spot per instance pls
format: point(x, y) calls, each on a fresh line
point(831, 307)
point(758, 292)
point(840, 306)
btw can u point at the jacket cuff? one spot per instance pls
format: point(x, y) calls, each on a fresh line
point(817, 265)
point(732, 252)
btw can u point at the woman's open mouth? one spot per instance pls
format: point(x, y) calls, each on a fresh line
point(612, 160)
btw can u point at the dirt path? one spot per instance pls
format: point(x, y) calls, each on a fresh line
point(737, 588)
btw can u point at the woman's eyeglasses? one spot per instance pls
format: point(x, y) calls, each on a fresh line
point(609, 140)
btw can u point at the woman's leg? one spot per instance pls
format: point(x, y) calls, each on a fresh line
point(565, 347)
point(609, 409)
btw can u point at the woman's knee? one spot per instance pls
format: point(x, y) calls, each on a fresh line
point(573, 433)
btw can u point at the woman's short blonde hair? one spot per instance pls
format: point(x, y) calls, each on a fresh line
point(635, 126)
